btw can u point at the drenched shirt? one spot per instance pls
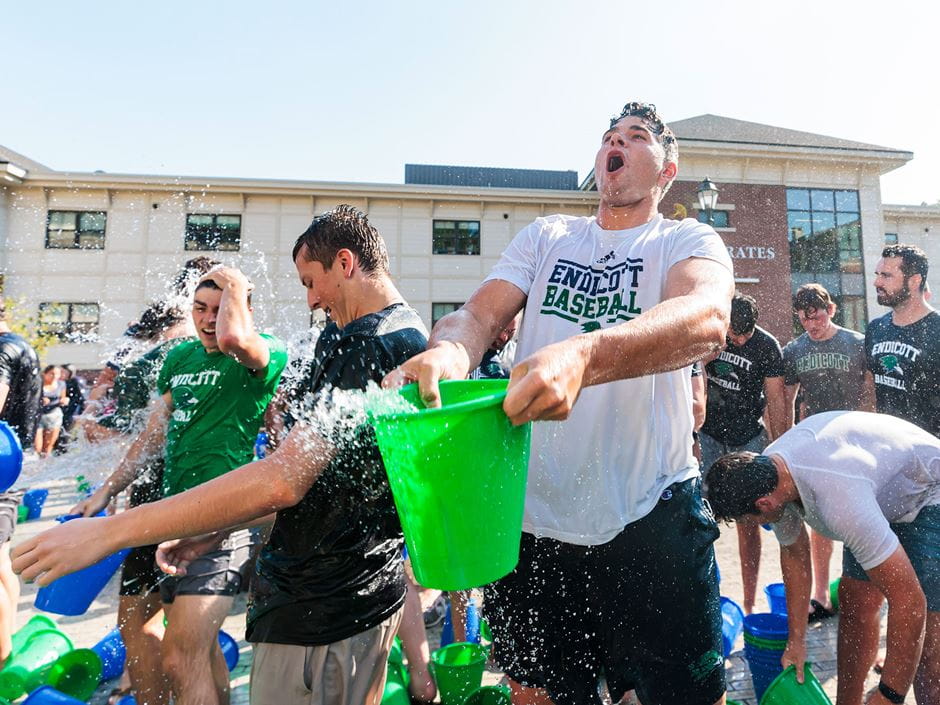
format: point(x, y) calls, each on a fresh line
point(333, 567)
point(218, 407)
point(736, 388)
point(19, 370)
point(905, 362)
point(857, 473)
point(831, 373)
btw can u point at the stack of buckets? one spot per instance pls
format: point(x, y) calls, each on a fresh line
point(43, 656)
point(765, 639)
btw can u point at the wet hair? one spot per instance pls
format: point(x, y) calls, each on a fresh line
point(660, 131)
point(812, 296)
point(734, 483)
point(344, 227)
point(744, 314)
point(210, 284)
point(155, 319)
point(185, 282)
point(48, 368)
point(913, 261)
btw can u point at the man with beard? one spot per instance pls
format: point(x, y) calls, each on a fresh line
point(903, 346)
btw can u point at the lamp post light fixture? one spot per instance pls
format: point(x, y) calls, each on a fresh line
point(707, 198)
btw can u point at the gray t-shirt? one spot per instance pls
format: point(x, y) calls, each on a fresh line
point(856, 473)
point(831, 373)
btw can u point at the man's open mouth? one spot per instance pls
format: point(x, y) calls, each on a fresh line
point(614, 162)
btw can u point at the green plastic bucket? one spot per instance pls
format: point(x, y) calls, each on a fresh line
point(458, 475)
point(785, 690)
point(396, 686)
point(395, 653)
point(458, 671)
point(24, 670)
point(489, 695)
point(768, 644)
point(22, 513)
point(834, 594)
point(36, 623)
point(76, 673)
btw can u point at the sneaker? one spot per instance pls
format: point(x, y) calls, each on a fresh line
point(434, 615)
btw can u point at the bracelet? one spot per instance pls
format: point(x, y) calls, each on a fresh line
point(891, 695)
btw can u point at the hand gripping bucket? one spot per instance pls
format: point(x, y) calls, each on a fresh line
point(785, 690)
point(229, 649)
point(34, 500)
point(11, 457)
point(776, 598)
point(458, 475)
point(458, 671)
point(489, 695)
point(47, 695)
point(76, 673)
point(113, 654)
point(732, 623)
point(73, 594)
point(25, 669)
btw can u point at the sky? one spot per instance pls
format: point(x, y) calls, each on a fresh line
point(354, 90)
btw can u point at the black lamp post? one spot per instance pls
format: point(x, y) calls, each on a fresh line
point(708, 198)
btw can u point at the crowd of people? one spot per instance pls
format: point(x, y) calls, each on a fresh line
point(620, 376)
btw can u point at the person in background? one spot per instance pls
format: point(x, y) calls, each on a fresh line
point(54, 399)
point(826, 366)
point(743, 381)
point(20, 393)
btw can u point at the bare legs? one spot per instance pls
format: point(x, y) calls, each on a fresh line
point(192, 657)
point(859, 624)
point(821, 551)
point(140, 619)
point(9, 598)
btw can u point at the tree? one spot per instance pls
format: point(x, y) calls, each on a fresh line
point(22, 323)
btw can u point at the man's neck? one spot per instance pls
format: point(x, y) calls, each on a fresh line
point(911, 310)
point(786, 488)
point(628, 216)
point(827, 334)
point(370, 295)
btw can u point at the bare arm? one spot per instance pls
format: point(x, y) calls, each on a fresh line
point(235, 498)
point(688, 325)
point(235, 328)
point(907, 615)
point(867, 396)
point(791, 390)
point(779, 413)
point(148, 444)
point(459, 340)
point(796, 565)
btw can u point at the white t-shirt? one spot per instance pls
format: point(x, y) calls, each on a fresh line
point(625, 441)
point(857, 472)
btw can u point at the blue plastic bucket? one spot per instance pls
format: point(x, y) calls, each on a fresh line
point(229, 649)
point(33, 501)
point(732, 624)
point(47, 695)
point(11, 457)
point(765, 667)
point(73, 594)
point(766, 626)
point(112, 653)
point(473, 625)
point(127, 700)
point(776, 598)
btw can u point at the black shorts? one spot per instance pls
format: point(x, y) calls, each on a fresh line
point(214, 573)
point(140, 574)
point(642, 610)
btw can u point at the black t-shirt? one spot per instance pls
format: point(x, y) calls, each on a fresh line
point(333, 567)
point(736, 388)
point(19, 368)
point(905, 362)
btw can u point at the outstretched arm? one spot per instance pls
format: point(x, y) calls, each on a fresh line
point(240, 496)
point(235, 327)
point(144, 447)
point(796, 565)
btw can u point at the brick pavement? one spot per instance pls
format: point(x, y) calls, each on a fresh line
point(87, 629)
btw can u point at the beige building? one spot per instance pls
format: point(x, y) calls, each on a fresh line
point(86, 252)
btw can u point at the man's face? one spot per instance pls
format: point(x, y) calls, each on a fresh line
point(739, 339)
point(505, 335)
point(816, 321)
point(890, 283)
point(323, 285)
point(629, 163)
point(206, 303)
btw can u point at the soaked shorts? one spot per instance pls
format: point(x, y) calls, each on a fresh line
point(641, 610)
point(214, 573)
point(9, 505)
point(51, 420)
point(140, 574)
point(921, 542)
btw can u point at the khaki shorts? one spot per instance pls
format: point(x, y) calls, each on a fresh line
point(347, 672)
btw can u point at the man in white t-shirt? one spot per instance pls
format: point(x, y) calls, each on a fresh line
point(871, 481)
point(617, 544)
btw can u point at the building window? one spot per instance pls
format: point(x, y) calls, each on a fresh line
point(825, 235)
point(75, 230)
point(69, 322)
point(719, 219)
point(439, 310)
point(891, 238)
point(456, 237)
point(206, 231)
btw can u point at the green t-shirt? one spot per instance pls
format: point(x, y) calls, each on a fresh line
point(135, 384)
point(218, 407)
